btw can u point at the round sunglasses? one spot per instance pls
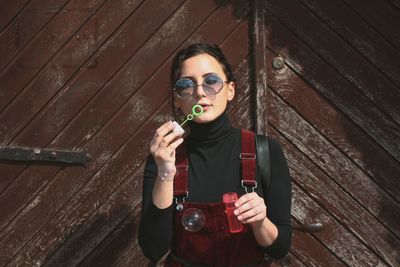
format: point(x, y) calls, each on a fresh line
point(212, 85)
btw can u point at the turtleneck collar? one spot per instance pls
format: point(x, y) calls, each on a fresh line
point(210, 131)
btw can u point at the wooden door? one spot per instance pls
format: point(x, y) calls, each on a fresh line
point(92, 76)
point(333, 102)
point(322, 77)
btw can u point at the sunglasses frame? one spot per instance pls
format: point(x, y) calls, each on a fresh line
point(202, 84)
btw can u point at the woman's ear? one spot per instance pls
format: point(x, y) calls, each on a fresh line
point(231, 91)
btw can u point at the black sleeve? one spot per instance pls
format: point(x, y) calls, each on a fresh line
point(278, 201)
point(155, 228)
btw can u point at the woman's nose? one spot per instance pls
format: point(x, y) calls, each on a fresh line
point(200, 91)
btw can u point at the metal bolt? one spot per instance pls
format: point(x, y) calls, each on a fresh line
point(278, 63)
point(53, 155)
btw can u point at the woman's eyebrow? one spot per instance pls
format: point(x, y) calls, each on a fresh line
point(193, 78)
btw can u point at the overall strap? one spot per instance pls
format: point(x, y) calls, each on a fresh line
point(248, 161)
point(181, 176)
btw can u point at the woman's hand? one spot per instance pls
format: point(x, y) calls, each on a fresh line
point(250, 208)
point(163, 146)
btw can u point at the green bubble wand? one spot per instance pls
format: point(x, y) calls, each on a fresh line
point(197, 110)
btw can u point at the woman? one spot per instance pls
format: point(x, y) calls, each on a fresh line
point(202, 76)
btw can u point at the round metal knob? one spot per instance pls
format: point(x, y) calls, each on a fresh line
point(278, 63)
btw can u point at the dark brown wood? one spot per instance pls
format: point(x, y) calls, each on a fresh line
point(9, 11)
point(85, 84)
point(348, 248)
point(25, 26)
point(94, 144)
point(338, 128)
point(340, 93)
point(334, 164)
point(341, 57)
point(382, 16)
point(338, 202)
point(362, 37)
point(395, 3)
point(49, 41)
point(92, 76)
point(310, 250)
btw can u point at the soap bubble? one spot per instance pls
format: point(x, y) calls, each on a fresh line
point(193, 220)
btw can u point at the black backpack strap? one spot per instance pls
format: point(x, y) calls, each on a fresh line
point(263, 160)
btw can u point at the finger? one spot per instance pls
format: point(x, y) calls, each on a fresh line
point(164, 129)
point(160, 134)
point(245, 207)
point(257, 218)
point(176, 143)
point(245, 198)
point(168, 139)
point(250, 213)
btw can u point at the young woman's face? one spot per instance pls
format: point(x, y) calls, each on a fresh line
point(197, 69)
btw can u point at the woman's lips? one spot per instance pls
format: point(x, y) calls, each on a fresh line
point(205, 107)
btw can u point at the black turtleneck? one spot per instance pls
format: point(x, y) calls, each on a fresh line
point(214, 169)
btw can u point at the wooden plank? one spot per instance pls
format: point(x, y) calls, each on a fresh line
point(337, 127)
point(310, 250)
point(55, 74)
point(116, 211)
point(48, 42)
point(26, 26)
point(332, 161)
point(9, 10)
point(340, 56)
point(134, 259)
point(71, 251)
point(382, 16)
point(334, 236)
point(339, 203)
point(76, 89)
point(344, 21)
point(334, 87)
point(258, 68)
point(395, 3)
point(119, 244)
point(238, 110)
point(102, 146)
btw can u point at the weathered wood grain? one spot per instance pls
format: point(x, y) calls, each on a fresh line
point(382, 16)
point(334, 87)
point(60, 69)
point(330, 48)
point(119, 244)
point(100, 144)
point(258, 61)
point(334, 236)
point(395, 3)
point(25, 26)
point(57, 113)
point(48, 42)
point(332, 161)
point(310, 250)
point(337, 127)
point(9, 10)
point(99, 225)
point(344, 21)
point(339, 203)
point(75, 93)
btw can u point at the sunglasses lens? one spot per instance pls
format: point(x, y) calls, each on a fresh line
point(184, 87)
point(212, 84)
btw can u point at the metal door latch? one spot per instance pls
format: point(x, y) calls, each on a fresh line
point(43, 155)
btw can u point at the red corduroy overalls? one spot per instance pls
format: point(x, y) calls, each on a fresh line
point(214, 245)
